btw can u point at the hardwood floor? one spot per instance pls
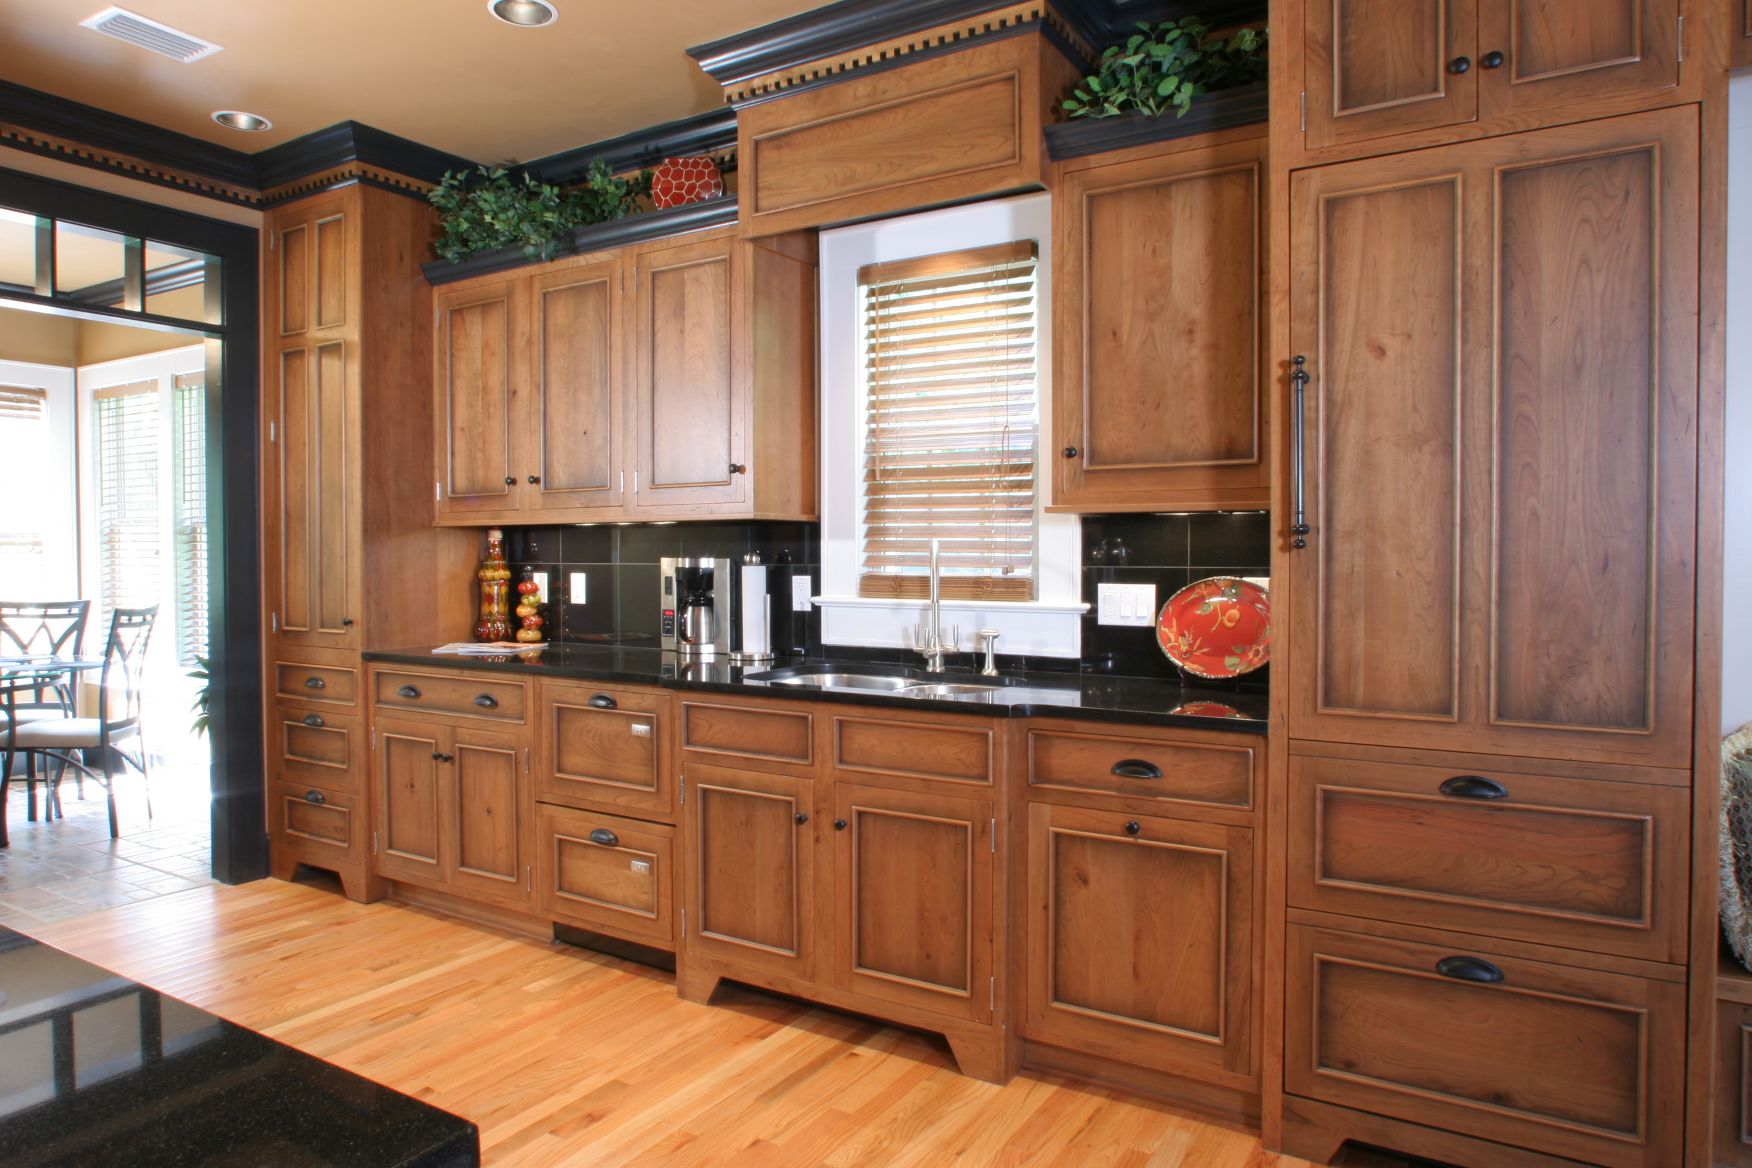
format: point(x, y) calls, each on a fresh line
point(568, 1057)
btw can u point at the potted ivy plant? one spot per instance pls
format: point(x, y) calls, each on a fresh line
point(490, 209)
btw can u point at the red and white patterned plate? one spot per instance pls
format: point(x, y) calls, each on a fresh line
point(1217, 628)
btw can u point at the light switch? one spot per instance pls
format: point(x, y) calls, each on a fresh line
point(577, 586)
point(540, 579)
point(802, 590)
point(1125, 604)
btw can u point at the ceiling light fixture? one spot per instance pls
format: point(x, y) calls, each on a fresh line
point(524, 13)
point(238, 120)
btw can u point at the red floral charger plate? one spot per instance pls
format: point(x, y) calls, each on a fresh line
point(1217, 628)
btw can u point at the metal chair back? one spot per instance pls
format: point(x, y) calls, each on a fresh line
point(55, 627)
point(124, 662)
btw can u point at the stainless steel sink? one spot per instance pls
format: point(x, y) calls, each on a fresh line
point(875, 682)
point(904, 682)
point(950, 689)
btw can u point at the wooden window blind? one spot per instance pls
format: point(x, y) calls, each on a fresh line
point(951, 423)
point(128, 530)
point(189, 535)
point(24, 436)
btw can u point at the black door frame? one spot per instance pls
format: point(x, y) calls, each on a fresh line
point(240, 840)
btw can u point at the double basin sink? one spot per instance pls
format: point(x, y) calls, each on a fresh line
point(893, 680)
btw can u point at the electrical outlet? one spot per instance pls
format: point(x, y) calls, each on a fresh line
point(802, 592)
point(577, 587)
point(541, 582)
point(1125, 604)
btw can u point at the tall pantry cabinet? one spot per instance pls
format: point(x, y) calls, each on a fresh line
point(1489, 344)
point(350, 557)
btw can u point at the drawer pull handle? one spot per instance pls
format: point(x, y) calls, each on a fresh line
point(1136, 768)
point(1473, 787)
point(315, 683)
point(314, 796)
point(1132, 827)
point(486, 701)
point(1469, 969)
point(409, 691)
point(314, 720)
point(602, 702)
point(605, 837)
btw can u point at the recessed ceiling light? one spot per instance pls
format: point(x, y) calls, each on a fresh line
point(238, 120)
point(524, 13)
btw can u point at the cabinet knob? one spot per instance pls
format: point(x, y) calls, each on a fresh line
point(314, 796)
point(315, 683)
point(409, 691)
point(314, 720)
point(440, 756)
point(1132, 827)
point(1071, 452)
point(801, 818)
point(346, 622)
point(738, 467)
point(1492, 60)
point(1460, 64)
point(535, 480)
point(840, 825)
point(1469, 969)
point(510, 480)
point(486, 701)
point(605, 837)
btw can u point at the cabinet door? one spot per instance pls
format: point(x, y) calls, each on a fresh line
point(750, 842)
point(479, 369)
point(411, 793)
point(573, 457)
point(1502, 339)
point(485, 813)
point(1740, 34)
point(1555, 51)
point(312, 411)
point(1158, 269)
point(602, 746)
point(691, 398)
point(1140, 942)
point(913, 891)
point(1381, 67)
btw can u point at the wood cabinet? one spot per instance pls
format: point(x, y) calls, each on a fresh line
point(1732, 1137)
point(1739, 33)
point(1377, 69)
point(1158, 297)
point(604, 747)
point(667, 381)
point(345, 347)
point(605, 873)
point(1140, 939)
point(1501, 437)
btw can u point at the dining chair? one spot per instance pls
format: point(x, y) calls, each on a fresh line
point(118, 715)
point(53, 628)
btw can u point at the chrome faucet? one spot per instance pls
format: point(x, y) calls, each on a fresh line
point(928, 642)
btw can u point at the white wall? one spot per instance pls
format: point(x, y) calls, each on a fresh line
point(1737, 551)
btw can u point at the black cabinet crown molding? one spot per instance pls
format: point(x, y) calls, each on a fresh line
point(713, 133)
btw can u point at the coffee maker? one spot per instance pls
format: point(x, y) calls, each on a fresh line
point(695, 616)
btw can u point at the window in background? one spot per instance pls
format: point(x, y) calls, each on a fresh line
point(189, 531)
point(24, 471)
point(128, 561)
point(951, 423)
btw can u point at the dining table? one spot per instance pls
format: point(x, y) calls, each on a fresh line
point(24, 675)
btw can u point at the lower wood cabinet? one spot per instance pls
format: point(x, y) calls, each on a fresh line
point(606, 873)
point(603, 746)
point(1570, 1061)
point(1733, 1080)
point(1140, 939)
point(913, 896)
point(751, 847)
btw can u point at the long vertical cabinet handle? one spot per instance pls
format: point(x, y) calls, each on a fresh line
point(1298, 452)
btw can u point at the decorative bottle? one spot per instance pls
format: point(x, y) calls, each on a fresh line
point(494, 575)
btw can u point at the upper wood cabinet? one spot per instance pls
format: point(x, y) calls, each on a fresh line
point(1381, 67)
point(672, 381)
point(945, 128)
point(1740, 37)
point(1501, 444)
point(1157, 326)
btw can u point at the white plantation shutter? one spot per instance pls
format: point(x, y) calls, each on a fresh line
point(951, 423)
point(189, 547)
point(24, 471)
point(128, 536)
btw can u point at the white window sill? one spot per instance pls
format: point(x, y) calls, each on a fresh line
point(1037, 628)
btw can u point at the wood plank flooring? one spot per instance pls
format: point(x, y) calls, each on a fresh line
point(568, 1057)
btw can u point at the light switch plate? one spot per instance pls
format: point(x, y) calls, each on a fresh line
point(1125, 604)
point(577, 587)
point(802, 590)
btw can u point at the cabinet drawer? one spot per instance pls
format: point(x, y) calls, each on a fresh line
point(318, 823)
point(605, 872)
point(876, 745)
point(316, 683)
point(1567, 1061)
point(1143, 767)
point(315, 746)
point(1733, 1084)
point(1592, 865)
point(770, 734)
point(601, 745)
point(452, 693)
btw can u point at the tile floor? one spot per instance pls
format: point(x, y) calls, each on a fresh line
point(68, 867)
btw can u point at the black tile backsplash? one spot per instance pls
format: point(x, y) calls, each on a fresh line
point(620, 563)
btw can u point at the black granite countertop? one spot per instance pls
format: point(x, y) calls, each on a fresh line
point(1096, 697)
point(96, 1069)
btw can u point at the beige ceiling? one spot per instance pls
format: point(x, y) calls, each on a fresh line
point(442, 72)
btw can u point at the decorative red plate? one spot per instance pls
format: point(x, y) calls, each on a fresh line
point(685, 180)
point(1220, 627)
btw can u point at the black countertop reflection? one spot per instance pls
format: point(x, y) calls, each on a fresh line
point(1095, 697)
point(99, 1070)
